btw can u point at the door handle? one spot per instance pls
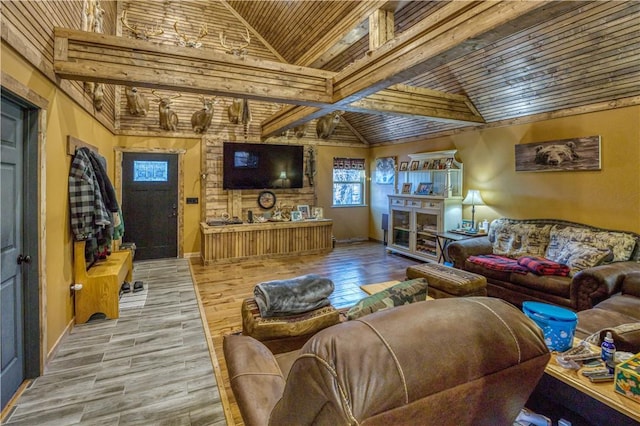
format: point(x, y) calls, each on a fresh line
point(24, 259)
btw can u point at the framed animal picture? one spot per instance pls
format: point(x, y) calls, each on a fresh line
point(385, 170)
point(406, 188)
point(560, 155)
point(404, 166)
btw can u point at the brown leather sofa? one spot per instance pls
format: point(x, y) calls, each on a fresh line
point(619, 314)
point(582, 291)
point(465, 361)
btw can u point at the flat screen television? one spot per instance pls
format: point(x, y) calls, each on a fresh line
point(262, 166)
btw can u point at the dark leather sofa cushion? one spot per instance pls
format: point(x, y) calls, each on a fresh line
point(631, 284)
point(548, 284)
point(619, 314)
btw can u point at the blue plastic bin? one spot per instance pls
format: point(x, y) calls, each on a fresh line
point(557, 324)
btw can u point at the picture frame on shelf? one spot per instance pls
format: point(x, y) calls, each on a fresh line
point(448, 163)
point(466, 224)
point(406, 188)
point(424, 188)
point(317, 213)
point(426, 165)
point(414, 165)
point(304, 210)
point(436, 164)
point(296, 216)
point(404, 166)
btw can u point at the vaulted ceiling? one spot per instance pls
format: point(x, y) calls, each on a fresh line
point(401, 70)
point(584, 53)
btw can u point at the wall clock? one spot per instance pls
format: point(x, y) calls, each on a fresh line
point(266, 199)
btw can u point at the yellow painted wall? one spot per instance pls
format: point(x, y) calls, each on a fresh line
point(349, 223)
point(191, 171)
point(608, 198)
point(64, 117)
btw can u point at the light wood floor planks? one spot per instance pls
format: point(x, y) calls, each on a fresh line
point(222, 288)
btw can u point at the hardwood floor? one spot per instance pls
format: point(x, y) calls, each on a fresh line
point(223, 287)
point(151, 366)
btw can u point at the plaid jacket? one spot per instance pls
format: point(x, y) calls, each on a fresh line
point(89, 216)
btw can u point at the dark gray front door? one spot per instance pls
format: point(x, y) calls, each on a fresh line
point(150, 204)
point(11, 290)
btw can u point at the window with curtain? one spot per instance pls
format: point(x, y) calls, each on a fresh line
point(348, 181)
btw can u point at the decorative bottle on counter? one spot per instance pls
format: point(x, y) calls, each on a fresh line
point(608, 352)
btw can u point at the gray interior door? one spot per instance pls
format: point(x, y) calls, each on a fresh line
point(11, 290)
point(150, 204)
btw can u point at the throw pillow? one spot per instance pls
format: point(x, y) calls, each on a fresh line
point(513, 239)
point(541, 266)
point(400, 294)
point(621, 244)
point(578, 256)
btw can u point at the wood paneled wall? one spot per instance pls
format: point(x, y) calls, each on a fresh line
point(218, 201)
point(28, 28)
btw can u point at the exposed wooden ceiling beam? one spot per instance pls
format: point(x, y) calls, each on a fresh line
point(449, 33)
point(419, 102)
point(87, 56)
point(396, 100)
point(349, 29)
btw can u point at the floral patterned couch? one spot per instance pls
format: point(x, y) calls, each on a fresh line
point(596, 260)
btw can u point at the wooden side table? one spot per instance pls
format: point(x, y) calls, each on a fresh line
point(601, 392)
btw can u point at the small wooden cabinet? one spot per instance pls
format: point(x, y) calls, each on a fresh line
point(414, 221)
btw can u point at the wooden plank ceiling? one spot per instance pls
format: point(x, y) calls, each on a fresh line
point(581, 54)
point(589, 54)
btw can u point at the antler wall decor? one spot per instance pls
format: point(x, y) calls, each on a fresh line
point(240, 50)
point(186, 41)
point(140, 33)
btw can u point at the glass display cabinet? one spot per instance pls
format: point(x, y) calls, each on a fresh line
point(430, 203)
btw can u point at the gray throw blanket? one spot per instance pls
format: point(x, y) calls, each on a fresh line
point(292, 296)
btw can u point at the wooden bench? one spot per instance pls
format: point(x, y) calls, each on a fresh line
point(101, 283)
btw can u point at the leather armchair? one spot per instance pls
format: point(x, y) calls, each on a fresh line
point(465, 361)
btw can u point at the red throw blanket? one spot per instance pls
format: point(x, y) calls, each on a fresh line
point(498, 263)
point(542, 266)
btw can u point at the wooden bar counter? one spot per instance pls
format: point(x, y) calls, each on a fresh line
point(226, 243)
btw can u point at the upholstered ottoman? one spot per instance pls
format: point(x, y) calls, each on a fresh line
point(282, 334)
point(445, 281)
